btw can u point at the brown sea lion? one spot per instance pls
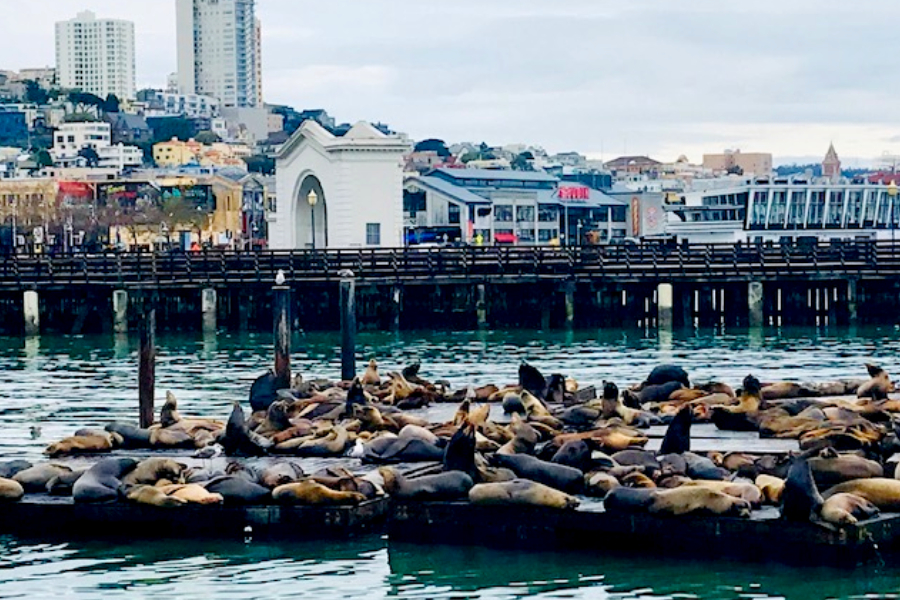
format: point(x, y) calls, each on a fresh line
point(83, 444)
point(168, 414)
point(151, 470)
point(744, 491)
point(599, 483)
point(696, 499)
point(847, 509)
point(524, 438)
point(11, 490)
point(831, 468)
point(771, 487)
point(371, 376)
point(883, 493)
point(878, 387)
point(153, 496)
point(315, 494)
point(35, 479)
point(520, 492)
point(192, 493)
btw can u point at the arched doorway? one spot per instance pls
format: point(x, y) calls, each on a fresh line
point(312, 220)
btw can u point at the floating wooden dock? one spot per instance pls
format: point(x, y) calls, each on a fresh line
point(39, 515)
point(763, 537)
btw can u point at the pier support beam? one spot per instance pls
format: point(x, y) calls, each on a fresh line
point(853, 301)
point(32, 311)
point(348, 325)
point(481, 307)
point(281, 306)
point(396, 307)
point(755, 303)
point(120, 311)
point(570, 304)
point(147, 368)
point(209, 307)
point(665, 298)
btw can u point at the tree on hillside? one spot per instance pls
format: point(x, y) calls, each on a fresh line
point(522, 162)
point(111, 104)
point(433, 145)
point(35, 93)
point(90, 155)
point(175, 127)
point(207, 137)
point(83, 103)
point(260, 164)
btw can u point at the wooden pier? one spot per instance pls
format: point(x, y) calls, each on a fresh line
point(461, 288)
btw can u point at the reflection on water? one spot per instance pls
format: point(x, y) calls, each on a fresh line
point(63, 383)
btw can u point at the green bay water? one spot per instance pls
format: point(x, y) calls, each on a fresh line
point(50, 386)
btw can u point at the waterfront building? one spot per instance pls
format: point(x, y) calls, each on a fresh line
point(96, 56)
point(354, 181)
point(219, 51)
point(789, 209)
point(517, 207)
point(625, 166)
point(71, 141)
point(751, 164)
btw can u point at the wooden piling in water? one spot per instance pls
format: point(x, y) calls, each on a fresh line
point(281, 305)
point(147, 368)
point(348, 325)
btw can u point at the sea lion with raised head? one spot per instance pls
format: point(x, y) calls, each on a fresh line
point(878, 387)
point(371, 376)
point(678, 435)
point(239, 440)
point(459, 455)
point(521, 492)
point(801, 499)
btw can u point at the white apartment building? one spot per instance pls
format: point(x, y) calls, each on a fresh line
point(96, 56)
point(188, 105)
point(219, 51)
point(71, 138)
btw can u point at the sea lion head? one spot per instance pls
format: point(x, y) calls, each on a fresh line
point(752, 385)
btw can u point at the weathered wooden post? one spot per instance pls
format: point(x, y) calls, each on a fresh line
point(570, 304)
point(281, 304)
point(665, 314)
point(147, 366)
point(348, 325)
point(120, 311)
point(481, 307)
point(31, 309)
point(756, 303)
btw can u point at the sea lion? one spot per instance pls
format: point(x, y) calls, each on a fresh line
point(62, 485)
point(521, 492)
point(238, 490)
point(132, 436)
point(192, 493)
point(644, 459)
point(450, 485)
point(532, 381)
point(611, 407)
point(239, 440)
point(700, 467)
point(847, 509)
point(153, 496)
point(411, 374)
point(277, 419)
point(101, 482)
point(771, 487)
point(575, 454)
point(878, 387)
point(628, 500)
point(672, 464)
point(637, 479)
point(314, 494)
point(168, 414)
point(280, 473)
point(524, 438)
point(459, 455)
point(10, 490)
point(651, 393)
point(81, 444)
point(745, 491)
point(556, 389)
point(334, 443)
point(9, 469)
point(151, 470)
point(263, 392)
point(36, 478)
point(561, 477)
point(371, 376)
point(742, 417)
point(697, 499)
point(800, 499)
point(599, 483)
point(678, 435)
point(513, 405)
point(831, 468)
point(667, 373)
point(883, 493)
point(394, 449)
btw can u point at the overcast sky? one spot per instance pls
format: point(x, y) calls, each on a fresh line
point(658, 77)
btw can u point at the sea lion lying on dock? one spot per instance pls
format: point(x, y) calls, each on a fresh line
point(36, 478)
point(314, 494)
point(883, 493)
point(10, 490)
point(521, 492)
point(450, 485)
point(847, 509)
point(102, 481)
point(95, 443)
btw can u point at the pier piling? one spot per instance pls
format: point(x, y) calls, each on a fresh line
point(348, 325)
point(32, 312)
point(147, 367)
point(570, 304)
point(852, 299)
point(755, 303)
point(209, 308)
point(281, 305)
point(665, 297)
point(120, 311)
point(481, 307)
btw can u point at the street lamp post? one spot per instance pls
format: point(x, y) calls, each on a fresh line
point(313, 199)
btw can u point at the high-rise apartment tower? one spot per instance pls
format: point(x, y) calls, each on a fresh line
point(96, 56)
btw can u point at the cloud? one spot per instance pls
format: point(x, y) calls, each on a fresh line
point(652, 76)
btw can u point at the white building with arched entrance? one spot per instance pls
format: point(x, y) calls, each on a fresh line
point(339, 191)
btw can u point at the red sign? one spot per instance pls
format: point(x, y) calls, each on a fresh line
point(574, 193)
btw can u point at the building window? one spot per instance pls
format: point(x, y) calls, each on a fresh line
point(525, 214)
point(503, 214)
point(453, 214)
point(373, 234)
point(548, 214)
point(619, 214)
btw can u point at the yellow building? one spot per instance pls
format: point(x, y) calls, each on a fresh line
point(176, 153)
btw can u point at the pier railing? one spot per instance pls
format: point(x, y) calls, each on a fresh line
point(627, 263)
